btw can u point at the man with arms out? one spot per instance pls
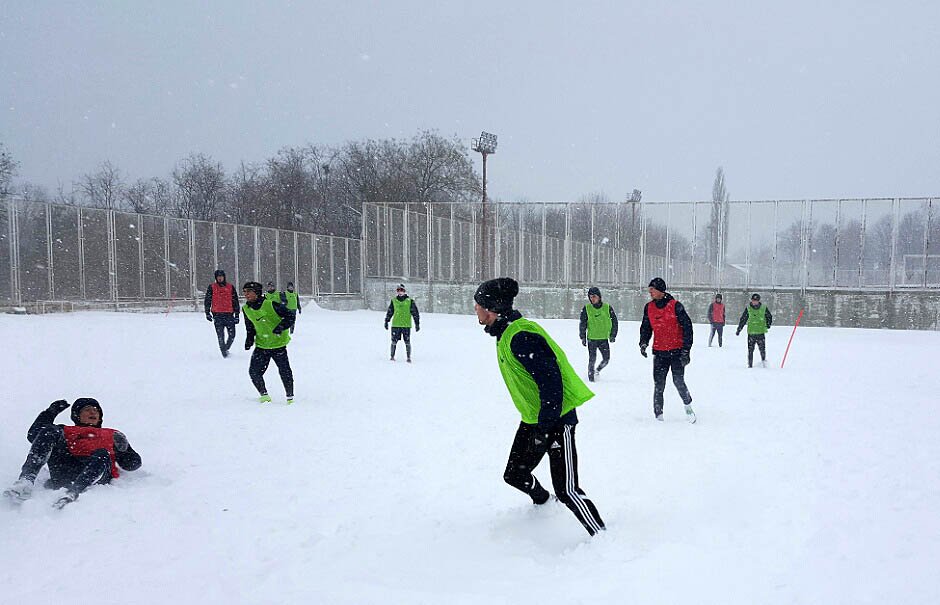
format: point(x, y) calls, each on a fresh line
point(268, 322)
point(546, 390)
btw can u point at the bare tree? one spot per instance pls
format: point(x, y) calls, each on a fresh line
point(715, 233)
point(103, 188)
point(149, 196)
point(8, 170)
point(200, 187)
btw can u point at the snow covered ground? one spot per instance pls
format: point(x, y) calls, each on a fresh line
point(818, 483)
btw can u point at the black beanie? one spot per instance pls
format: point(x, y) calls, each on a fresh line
point(254, 287)
point(594, 291)
point(84, 402)
point(658, 283)
point(755, 296)
point(497, 294)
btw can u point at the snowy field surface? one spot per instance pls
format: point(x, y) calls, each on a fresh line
point(818, 483)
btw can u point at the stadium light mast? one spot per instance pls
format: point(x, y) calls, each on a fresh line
point(485, 146)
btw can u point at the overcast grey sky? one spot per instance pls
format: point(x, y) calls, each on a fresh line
point(795, 99)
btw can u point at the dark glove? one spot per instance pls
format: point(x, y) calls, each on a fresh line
point(417, 328)
point(236, 319)
point(612, 339)
point(300, 309)
point(208, 316)
point(120, 441)
point(685, 357)
point(386, 325)
point(584, 342)
point(277, 329)
point(57, 406)
point(643, 351)
point(738, 333)
point(249, 343)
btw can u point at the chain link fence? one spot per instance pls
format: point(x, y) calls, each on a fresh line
point(51, 252)
point(845, 244)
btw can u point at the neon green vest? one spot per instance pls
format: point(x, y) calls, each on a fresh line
point(756, 320)
point(291, 299)
point(599, 322)
point(265, 319)
point(402, 316)
point(521, 385)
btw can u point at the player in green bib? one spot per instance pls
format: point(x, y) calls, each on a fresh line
point(401, 311)
point(268, 322)
point(293, 303)
point(546, 390)
point(597, 328)
point(758, 320)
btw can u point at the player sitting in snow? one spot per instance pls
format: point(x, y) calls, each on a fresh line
point(78, 456)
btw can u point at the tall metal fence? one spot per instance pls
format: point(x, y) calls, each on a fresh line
point(54, 252)
point(846, 244)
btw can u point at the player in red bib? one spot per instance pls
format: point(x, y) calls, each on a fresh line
point(665, 320)
point(78, 456)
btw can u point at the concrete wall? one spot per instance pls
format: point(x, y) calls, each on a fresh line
point(905, 310)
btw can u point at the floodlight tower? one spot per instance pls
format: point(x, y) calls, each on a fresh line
point(485, 145)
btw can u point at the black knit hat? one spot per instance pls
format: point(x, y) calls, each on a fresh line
point(84, 402)
point(497, 294)
point(658, 283)
point(755, 296)
point(271, 286)
point(254, 287)
point(718, 296)
point(594, 291)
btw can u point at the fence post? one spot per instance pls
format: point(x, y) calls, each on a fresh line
point(363, 256)
point(332, 268)
point(892, 278)
point(50, 263)
point(927, 237)
point(235, 244)
point(15, 293)
point(166, 255)
point(192, 257)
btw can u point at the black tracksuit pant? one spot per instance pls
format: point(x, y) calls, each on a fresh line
point(663, 362)
point(528, 450)
point(76, 473)
point(593, 347)
point(260, 359)
point(223, 322)
point(401, 334)
point(756, 339)
point(716, 329)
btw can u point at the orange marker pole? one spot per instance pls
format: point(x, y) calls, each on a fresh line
point(798, 318)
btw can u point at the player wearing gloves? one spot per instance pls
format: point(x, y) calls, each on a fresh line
point(665, 320)
point(77, 456)
point(758, 320)
point(401, 310)
point(546, 390)
point(268, 322)
point(597, 328)
point(221, 305)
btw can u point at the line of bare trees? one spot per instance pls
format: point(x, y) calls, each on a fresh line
point(312, 188)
